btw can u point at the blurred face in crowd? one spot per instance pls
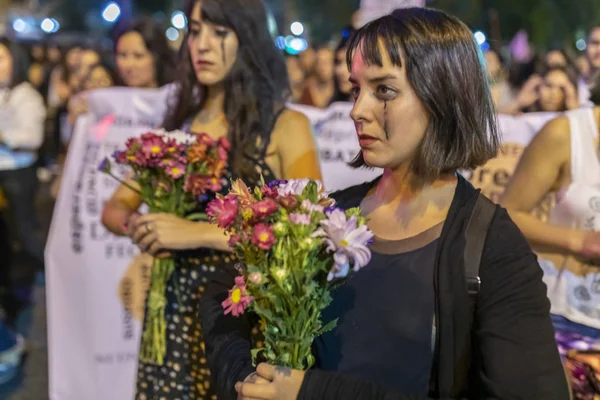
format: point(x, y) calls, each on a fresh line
point(493, 65)
point(390, 119)
point(213, 48)
point(341, 72)
point(556, 59)
point(38, 53)
point(135, 62)
point(89, 58)
point(552, 95)
point(73, 58)
point(54, 55)
point(6, 66)
point(583, 65)
point(98, 78)
point(593, 48)
point(307, 60)
point(295, 73)
point(325, 65)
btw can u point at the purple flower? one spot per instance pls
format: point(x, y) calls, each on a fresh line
point(297, 186)
point(347, 241)
point(276, 183)
point(104, 166)
point(300, 219)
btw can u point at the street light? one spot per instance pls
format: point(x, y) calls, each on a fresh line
point(178, 20)
point(111, 12)
point(50, 25)
point(297, 28)
point(172, 34)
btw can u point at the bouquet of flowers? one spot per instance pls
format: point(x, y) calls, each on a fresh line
point(294, 246)
point(174, 171)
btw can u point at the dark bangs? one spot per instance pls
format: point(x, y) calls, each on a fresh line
point(367, 40)
point(213, 12)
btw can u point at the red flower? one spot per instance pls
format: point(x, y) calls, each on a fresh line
point(120, 157)
point(225, 210)
point(289, 202)
point(269, 192)
point(263, 236)
point(264, 208)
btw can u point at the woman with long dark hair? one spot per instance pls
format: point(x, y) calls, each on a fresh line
point(343, 87)
point(232, 83)
point(143, 55)
point(452, 303)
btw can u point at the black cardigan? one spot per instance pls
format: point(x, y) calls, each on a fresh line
point(509, 353)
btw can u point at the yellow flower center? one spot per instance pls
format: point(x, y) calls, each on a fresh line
point(214, 181)
point(131, 158)
point(175, 171)
point(344, 243)
point(236, 295)
point(155, 149)
point(171, 149)
point(247, 214)
point(264, 237)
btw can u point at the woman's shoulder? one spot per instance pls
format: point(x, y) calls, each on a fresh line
point(291, 121)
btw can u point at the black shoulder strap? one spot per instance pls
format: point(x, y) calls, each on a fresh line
point(476, 232)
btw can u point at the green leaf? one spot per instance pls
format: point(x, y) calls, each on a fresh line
point(311, 192)
point(329, 327)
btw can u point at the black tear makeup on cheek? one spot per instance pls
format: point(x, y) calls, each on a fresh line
point(223, 50)
point(385, 127)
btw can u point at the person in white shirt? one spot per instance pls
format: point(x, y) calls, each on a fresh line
point(22, 116)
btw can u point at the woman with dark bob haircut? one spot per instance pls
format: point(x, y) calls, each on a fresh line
point(415, 323)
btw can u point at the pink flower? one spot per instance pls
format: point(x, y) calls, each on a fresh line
point(234, 240)
point(153, 145)
point(346, 240)
point(263, 236)
point(223, 150)
point(300, 219)
point(238, 300)
point(308, 206)
point(256, 277)
point(137, 158)
point(264, 208)
point(225, 210)
point(297, 186)
point(174, 169)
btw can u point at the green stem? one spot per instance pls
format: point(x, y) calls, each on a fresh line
point(122, 182)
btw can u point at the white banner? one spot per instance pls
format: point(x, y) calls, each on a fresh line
point(96, 281)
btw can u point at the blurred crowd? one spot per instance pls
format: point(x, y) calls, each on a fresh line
point(46, 84)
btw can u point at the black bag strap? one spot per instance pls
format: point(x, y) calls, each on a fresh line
point(476, 232)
